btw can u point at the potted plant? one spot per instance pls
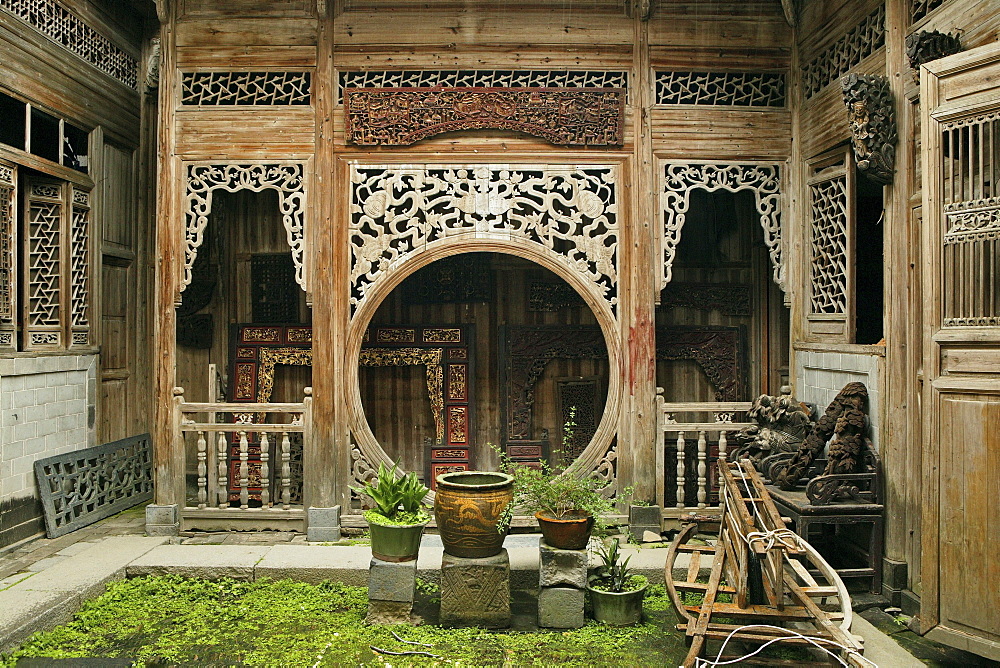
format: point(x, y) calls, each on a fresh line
point(566, 506)
point(398, 518)
point(615, 594)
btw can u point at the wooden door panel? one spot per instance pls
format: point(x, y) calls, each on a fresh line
point(970, 527)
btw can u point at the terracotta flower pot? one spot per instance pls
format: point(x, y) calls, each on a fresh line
point(396, 542)
point(569, 532)
point(468, 507)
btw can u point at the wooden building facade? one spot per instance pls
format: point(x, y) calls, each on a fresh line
point(339, 232)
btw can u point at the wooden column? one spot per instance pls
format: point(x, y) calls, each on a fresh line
point(168, 458)
point(637, 291)
point(896, 438)
point(325, 476)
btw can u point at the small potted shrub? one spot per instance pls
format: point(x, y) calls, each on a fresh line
point(398, 518)
point(566, 507)
point(615, 594)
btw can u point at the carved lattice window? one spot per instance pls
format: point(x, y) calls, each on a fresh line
point(43, 264)
point(481, 79)
point(721, 89)
point(79, 269)
point(220, 89)
point(8, 255)
point(70, 31)
point(862, 41)
point(971, 216)
point(831, 193)
point(921, 8)
point(569, 212)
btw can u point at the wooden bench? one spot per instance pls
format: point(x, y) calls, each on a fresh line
point(824, 507)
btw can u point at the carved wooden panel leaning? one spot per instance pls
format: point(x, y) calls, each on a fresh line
point(681, 178)
point(563, 116)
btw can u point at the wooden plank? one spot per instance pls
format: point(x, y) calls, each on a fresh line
point(246, 32)
point(246, 57)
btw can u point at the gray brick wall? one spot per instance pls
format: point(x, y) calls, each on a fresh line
point(47, 406)
point(819, 376)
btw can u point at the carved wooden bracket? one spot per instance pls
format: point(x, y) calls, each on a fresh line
point(873, 125)
point(563, 116)
point(923, 47)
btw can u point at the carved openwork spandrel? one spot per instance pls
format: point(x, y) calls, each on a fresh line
point(681, 178)
point(570, 212)
point(566, 117)
point(203, 180)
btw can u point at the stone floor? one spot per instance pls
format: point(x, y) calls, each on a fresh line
point(40, 554)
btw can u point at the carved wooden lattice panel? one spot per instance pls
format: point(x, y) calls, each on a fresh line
point(834, 61)
point(480, 79)
point(203, 180)
point(43, 265)
point(70, 31)
point(8, 255)
point(921, 8)
point(82, 487)
point(681, 179)
point(970, 166)
point(830, 229)
point(79, 276)
point(563, 116)
point(265, 89)
point(398, 211)
point(721, 89)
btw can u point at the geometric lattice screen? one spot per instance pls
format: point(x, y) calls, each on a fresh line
point(971, 217)
point(8, 256)
point(829, 246)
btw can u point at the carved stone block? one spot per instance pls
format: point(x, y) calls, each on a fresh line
point(560, 608)
point(561, 568)
point(475, 592)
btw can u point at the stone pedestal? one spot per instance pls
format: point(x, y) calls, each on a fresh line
point(391, 590)
point(642, 519)
point(562, 578)
point(560, 608)
point(163, 520)
point(475, 592)
point(323, 525)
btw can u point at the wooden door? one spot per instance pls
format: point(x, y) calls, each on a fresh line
point(960, 100)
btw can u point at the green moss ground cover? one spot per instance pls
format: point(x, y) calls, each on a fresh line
point(173, 621)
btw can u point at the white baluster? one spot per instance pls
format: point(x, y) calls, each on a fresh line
point(244, 472)
point(702, 468)
point(286, 471)
point(202, 470)
point(265, 471)
point(223, 471)
point(721, 461)
point(681, 469)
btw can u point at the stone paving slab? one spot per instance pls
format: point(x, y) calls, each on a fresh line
point(44, 599)
point(315, 563)
point(212, 562)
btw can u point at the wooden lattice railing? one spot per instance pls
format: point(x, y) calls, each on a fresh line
point(242, 455)
point(688, 449)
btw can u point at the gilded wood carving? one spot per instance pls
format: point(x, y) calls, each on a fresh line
point(563, 116)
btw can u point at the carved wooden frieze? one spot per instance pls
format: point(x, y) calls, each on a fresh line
point(728, 298)
point(873, 125)
point(923, 47)
point(563, 116)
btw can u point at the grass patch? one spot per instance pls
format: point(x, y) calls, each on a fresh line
point(170, 620)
